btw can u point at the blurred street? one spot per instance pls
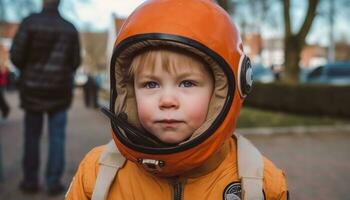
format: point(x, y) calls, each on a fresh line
point(86, 128)
point(317, 166)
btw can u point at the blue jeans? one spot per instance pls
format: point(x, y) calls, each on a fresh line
point(33, 123)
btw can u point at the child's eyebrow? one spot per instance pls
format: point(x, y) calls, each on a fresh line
point(179, 75)
point(189, 74)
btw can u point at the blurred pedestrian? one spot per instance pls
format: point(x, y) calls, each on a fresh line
point(5, 109)
point(277, 72)
point(91, 88)
point(46, 50)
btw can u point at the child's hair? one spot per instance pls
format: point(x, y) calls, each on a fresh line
point(169, 58)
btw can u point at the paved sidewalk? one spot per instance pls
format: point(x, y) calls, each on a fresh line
point(317, 164)
point(86, 128)
point(295, 130)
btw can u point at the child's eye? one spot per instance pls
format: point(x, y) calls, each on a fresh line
point(187, 83)
point(151, 84)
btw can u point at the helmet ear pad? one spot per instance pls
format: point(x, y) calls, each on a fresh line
point(245, 76)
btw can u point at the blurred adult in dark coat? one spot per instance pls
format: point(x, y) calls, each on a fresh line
point(46, 50)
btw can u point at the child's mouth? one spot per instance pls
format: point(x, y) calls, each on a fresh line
point(169, 123)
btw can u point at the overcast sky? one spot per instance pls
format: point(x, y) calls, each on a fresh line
point(95, 15)
point(86, 15)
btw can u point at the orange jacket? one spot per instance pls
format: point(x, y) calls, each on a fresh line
point(207, 182)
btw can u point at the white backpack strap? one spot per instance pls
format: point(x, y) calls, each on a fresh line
point(250, 169)
point(110, 161)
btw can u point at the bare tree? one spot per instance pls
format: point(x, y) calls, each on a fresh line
point(259, 11)
point(294, 42)
point(2, 10)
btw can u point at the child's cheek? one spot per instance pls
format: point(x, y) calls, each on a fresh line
point(198, 112)
point(144, 114)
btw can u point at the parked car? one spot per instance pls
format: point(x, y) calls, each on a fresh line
point(333, 73)
point(262, 74)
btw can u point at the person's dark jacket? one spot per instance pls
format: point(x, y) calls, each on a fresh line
point(46, 50)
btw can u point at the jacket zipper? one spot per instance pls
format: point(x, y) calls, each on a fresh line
point(178, 190)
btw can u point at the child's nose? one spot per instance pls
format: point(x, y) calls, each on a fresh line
point(168, 101)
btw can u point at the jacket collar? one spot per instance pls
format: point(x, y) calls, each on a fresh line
point(213, 161)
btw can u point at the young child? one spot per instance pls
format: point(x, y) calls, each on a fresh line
point(178, 80)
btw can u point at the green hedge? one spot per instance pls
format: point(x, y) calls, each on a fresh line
point(310, 99)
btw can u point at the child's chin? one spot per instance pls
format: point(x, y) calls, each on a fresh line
point(171, 140)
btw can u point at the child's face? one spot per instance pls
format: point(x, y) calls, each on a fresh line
point(173, 103)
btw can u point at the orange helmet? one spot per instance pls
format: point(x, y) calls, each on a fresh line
point(200, 27)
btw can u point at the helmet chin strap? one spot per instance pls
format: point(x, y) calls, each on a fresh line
point(135, 135)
